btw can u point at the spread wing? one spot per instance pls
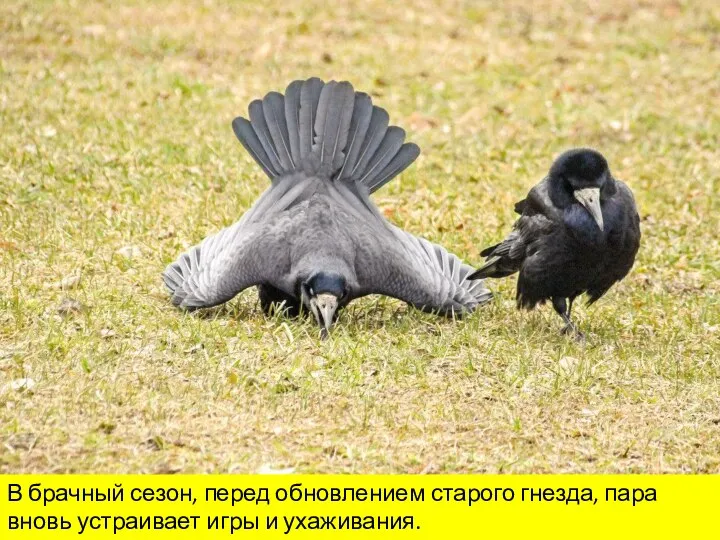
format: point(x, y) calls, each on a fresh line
point(253, 250)
point(421, 273)
point(218, 268)
point(395, 263)
point(316, 135)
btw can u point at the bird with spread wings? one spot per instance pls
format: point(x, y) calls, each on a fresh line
point(314, 239)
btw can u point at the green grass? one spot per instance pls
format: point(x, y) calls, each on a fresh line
point(116, 134)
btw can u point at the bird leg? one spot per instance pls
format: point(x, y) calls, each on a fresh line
point(570, 303)
point(273, 300)
point(561, 307)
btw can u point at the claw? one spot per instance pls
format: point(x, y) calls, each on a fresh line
point(572, 330)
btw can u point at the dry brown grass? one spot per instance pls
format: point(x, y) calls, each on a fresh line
point(116, 133)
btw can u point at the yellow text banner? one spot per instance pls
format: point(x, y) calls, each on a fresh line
point(367, 506)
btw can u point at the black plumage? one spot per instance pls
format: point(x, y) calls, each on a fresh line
point(578, 232)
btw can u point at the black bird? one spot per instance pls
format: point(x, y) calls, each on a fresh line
point(578, 232)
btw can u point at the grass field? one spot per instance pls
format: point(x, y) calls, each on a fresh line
point(117, 154)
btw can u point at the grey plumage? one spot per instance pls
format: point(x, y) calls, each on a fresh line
point(244, 131)
point(407, 154)
point(274, 112)
point(362, 113)
point(388, 149)
point(292, 118)
point(373, 137)
point(315, 238)
point(259, 124)
point(334, 113)
point(309, 97)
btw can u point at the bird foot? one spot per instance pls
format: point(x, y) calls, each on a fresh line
point(572, 330)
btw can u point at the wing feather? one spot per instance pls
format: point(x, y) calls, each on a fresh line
point(419, 272)
point(252, 251)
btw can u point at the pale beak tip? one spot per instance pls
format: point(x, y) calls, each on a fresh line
point(599, 220)
point(590, 199)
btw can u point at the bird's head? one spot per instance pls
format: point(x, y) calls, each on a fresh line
point(583, 175)
point(322, 293)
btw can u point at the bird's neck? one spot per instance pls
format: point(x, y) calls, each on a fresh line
point(582, 226)
point(317, 262)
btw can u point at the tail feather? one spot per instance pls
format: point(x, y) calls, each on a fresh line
point(499, 261)
point(333, 124)
point(362, 113)
point(246, 134)
point(326, 130)
point(407, 154)
point(257, 119)
point(274, 112)
point(309, 98)
point(489, 250)
point(388, 149)
point(487, 270)
point(374, 136)
point(292, 118)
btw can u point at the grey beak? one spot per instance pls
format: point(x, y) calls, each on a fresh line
point(326, 305)
point(590, 199)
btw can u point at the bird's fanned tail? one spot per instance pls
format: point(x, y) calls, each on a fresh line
point(326, 130)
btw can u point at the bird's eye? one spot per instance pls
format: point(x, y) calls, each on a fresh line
point(310, 290)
